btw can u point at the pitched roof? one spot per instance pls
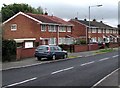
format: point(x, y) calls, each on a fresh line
point(49, 19)
point(95, 24)
point(43, 19)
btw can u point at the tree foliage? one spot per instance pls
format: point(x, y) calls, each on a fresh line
point(8, 50)
point(11, 9)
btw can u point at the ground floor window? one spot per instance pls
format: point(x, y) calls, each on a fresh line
point(67, 41)
point(100, 39)
point(28, 44)
point(52, 41)
point(93, 39)
point(20, 45)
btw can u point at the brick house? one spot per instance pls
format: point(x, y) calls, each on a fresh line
point(30, 30)
point(39, 28)
point(98, 32)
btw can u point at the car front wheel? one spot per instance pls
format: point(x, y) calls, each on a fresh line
point(53, 57)
point(65, 56)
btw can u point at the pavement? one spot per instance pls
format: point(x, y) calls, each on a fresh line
point(33, 61)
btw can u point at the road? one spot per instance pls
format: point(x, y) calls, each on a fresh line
point(85, 71)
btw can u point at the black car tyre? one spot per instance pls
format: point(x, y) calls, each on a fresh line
point(65, 56)
point(38, 58)
point(53, 57)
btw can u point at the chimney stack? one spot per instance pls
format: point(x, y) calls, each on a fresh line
point(46, 13)
point(94, 20)
point(85, 19)
point(76, 18)
point(101, 21)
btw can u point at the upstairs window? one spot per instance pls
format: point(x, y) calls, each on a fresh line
point(110, 30)
point(68, 29)
point(13, 27)
point(99, 30)
point(62, 29)
point(94, 30)
point(107, 31)
point(104, 30)
point(43, 28)
point(52, 28)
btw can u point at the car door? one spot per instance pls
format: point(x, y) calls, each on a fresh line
point(59, 52)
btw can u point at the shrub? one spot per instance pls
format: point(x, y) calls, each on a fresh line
point(80, 41)
point(8, 50)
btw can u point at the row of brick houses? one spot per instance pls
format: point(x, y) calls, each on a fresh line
point(30, 30)
point(98, 31)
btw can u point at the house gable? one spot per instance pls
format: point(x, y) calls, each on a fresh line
point(21, 13)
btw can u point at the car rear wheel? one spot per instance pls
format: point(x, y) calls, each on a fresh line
point(38, 58)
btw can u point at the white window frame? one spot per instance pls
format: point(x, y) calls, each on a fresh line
point(43, 28)
point(29, 44)
point(69, 41)
point(52, 28)
point(62, 29)
point(13, 27)
point(89, 30)
point(114, 31)
point(107, 31)
point(69, 29)
point(62, 40)
point(104, 30)
point(52, 41)
point(94, 30)
point(110, 31)
point(99, 30)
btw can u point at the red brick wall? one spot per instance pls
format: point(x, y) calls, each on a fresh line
point(25, 53)
point(80, 48)
point(78, 29)
point(93, 47)
point(26, 28)
point(113, 45)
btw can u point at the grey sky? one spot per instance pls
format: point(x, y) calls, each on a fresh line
point(68, 9)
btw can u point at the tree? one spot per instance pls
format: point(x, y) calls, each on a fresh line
point(12, 9)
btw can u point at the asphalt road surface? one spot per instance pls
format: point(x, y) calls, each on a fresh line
point(85, 71)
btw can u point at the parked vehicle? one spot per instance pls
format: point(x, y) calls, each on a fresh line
point(101, 45)
point(50, 52)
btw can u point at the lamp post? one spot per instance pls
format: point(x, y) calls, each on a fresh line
point(89, 20)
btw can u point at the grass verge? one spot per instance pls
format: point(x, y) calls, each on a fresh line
point(104, 51)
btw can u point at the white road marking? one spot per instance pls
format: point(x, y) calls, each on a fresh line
point(115, 56)
point(87, 63)
point(21, 82)
point(104, 59)
point(68, 68)
point(62, 70)
point(105, 78)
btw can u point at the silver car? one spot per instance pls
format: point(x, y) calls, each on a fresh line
point(50, 52)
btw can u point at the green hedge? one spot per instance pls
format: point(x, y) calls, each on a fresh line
point(80, 42)
point(8, 50)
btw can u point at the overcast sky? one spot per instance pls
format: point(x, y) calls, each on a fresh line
point(68, 9)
